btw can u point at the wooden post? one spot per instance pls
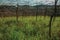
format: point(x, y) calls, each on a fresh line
point(36, 13)
point(17, 13)
point(36, 10)
point(45, 13)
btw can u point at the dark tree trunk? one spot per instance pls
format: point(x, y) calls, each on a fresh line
point(51, 18)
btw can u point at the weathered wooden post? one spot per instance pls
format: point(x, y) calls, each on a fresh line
point(45, 13)
point(36, 12)
point(17, 12)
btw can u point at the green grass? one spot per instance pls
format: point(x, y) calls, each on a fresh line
point(28, 28)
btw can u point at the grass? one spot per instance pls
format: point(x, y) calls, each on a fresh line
point(28, 28)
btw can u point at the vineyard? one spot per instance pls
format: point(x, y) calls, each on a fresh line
point(28, 28)
point(30, 20)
